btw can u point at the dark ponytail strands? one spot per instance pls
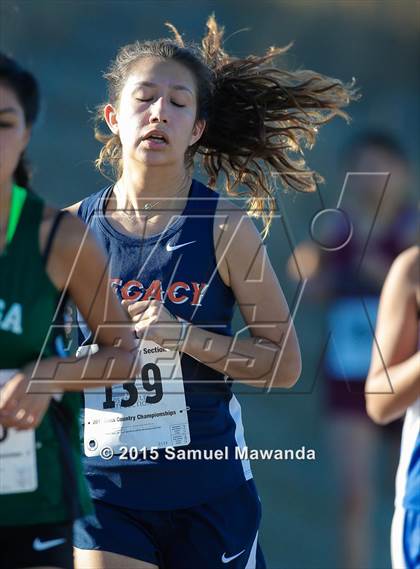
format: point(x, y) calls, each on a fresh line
point(262, 120)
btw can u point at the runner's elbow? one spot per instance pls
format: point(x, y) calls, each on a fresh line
point(289, 373)
point(378, 401)
point(293, 375)
point(378, 409)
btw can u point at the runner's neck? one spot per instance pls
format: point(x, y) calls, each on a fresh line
point(137, 188)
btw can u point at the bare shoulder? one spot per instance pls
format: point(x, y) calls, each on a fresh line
point(234, 221)
point(72, 243)
point(71, 234)
point(406, 266)
point(236, 239)
point(70, 231)
point(401, 287)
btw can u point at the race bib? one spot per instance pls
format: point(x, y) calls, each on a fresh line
point(351, 323)
point(150, 412)
point(18, 471)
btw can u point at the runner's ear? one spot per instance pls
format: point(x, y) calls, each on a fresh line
point(197, 131)
point(111, 118)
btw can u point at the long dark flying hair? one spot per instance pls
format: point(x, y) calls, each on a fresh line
point(259, 118)
point(26, 89)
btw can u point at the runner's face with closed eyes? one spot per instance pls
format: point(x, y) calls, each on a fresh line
point(155, 118)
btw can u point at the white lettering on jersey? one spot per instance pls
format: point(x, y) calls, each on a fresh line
point(11, 321)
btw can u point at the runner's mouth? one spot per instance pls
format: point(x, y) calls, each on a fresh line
point(155, 138)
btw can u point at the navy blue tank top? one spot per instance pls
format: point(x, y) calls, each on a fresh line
point(186, 279)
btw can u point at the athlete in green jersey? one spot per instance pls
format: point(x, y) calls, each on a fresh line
point(42, 254)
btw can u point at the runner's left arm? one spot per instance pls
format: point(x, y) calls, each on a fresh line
point(271, 356)
point(393, 383)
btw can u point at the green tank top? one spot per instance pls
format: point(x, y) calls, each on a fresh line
point(28, 303)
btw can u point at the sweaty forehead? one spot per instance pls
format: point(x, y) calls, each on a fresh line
point(160, 72)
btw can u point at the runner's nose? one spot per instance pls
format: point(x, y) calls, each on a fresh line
point(158, 112)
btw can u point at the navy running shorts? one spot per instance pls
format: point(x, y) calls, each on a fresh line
point(223, 533)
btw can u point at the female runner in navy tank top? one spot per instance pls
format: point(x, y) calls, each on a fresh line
point(162, 459)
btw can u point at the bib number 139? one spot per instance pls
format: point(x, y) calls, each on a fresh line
point(152, 382)
point(148, 413)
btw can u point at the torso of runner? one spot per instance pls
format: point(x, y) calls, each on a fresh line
point(177, 402)
point(31, 467)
